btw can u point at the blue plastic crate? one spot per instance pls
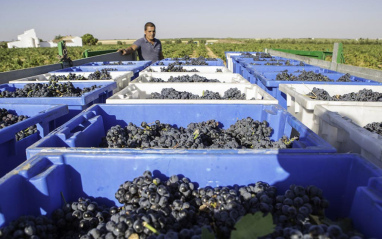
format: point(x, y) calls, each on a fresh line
point(219, 62)
point(12, 152)
point(264, 63)
point(252, 72)
point(237, 61)
point(75, 104)
point(124, 63)
point(268, 83)
point(236, 67)
point(267, 60)
point(248, 74)
point(245, 62)
point(177, 59)
point(258, 70)
point(85, 131)
point(351, 184)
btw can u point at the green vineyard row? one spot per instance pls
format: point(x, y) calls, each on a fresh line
point(364, 55)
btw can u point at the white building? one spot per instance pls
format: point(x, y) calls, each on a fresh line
point(69, 40)
point(30, 39)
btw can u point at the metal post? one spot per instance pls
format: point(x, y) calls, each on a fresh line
point(337, 53)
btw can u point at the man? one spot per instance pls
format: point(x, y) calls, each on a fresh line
point(149, 48)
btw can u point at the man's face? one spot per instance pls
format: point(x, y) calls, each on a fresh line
point(150, 33)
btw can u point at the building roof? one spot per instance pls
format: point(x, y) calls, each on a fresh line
point(65, 38)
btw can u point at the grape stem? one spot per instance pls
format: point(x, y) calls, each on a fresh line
point(148, 226)
point(63, 198)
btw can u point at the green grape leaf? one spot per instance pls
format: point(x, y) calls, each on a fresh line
point(253, 226)
point(206, 234)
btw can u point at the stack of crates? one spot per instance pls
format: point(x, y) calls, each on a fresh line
point(264, 74)
point(338, 122)
point(49, 113)
point(71, 162)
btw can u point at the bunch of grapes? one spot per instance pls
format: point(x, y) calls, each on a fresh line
point(304, 76)
point(171, 93)
point(375, 127)
point(185, 78)
point(52, 89)
point(175, 208)
point(362, 95)
point(245, 133)
point(8, 119)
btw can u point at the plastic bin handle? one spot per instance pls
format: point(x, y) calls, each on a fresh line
point(85, 129)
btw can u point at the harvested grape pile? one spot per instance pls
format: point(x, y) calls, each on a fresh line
point(52, 89)
point(70, 77)
point(100, 75)
point(280, 63)
point(310, 76)
point(245, 133)
point(362, 95)
point(185, 78)
point(175, 68)
point(258, 55)
point(118, 63)
point(345, 78)
point(272, 64)
point(304, 76)
point(109, 69)
point(187, 61)
point(7, 119)
point(97, 75)
point(171, 93)
point(375, 127)
point(187, 58)
point(177, 208)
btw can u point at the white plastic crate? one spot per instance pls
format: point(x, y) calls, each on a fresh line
point(201, 69)
point(222, 77)
point(137, 93)
point(122, 78)
point(302, 107)
point(342, 126)
point(229, 56)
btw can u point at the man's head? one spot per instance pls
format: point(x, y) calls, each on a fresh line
point(150, 31)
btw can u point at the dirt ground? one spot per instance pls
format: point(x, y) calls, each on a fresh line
point(210, 53)
point(194, 54)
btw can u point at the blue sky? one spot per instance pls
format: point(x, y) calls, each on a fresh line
point(117, 19)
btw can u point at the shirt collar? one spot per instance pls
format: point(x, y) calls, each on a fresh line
point(155, 40)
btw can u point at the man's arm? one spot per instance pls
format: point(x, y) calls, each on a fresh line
point(128, 50)
point(161, 57)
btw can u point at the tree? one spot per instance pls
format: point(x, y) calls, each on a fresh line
point(3, 44)
point(178, 41)
point(119, 43)
point(58, 37)
point(89, 39)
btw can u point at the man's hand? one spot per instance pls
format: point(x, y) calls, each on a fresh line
point(123, 51)
point(128, 50)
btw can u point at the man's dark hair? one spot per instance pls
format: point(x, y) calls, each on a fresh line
point(149, 24)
